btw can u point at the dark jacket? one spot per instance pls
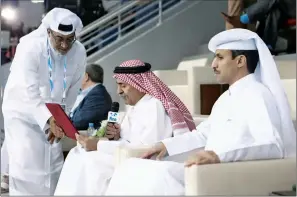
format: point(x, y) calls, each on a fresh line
point(272, 14)
point(92, 109)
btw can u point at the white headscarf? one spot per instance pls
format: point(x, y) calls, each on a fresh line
point(53, 19)
point(266, 72)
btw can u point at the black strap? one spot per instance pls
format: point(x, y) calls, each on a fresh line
point(66, 28)
point(132, 70)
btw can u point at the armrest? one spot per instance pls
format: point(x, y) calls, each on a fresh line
point(241, 178)
point(123, 152)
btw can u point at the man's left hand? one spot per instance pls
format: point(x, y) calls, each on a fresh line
point(88, 143)
point(203, 157)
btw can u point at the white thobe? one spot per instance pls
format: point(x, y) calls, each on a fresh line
point(4, 159)
point(244, 125)
point(34, 164)
point(88, 173)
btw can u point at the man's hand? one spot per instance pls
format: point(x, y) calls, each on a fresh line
point(88, 143)
point(54, 131)
point(158, 149)
point(113, 131)
point(203, 157)
point(234, 21)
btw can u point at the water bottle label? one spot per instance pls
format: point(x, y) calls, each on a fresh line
point(113, 117)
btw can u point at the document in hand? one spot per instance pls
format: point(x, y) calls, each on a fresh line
point(62, 120)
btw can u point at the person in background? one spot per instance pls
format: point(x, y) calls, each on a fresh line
point(93, 101)
point(250, 121)
point(235, 9)
point(48, 68)
point(155, 113)
point(90, 12)
point(271, 15)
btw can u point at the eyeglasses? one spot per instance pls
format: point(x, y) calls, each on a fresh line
point(59, 40)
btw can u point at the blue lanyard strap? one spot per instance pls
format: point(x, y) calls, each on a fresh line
point(50, 69)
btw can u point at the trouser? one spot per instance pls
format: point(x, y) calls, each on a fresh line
point(235, 8)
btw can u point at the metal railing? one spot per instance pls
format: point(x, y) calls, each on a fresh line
point(120, 23)
point(122, 20)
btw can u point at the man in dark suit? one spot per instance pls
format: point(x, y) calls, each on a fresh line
point(93, 101)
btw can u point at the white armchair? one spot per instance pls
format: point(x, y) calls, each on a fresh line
point(237, 178)
point(123, 153)
point(241, 178)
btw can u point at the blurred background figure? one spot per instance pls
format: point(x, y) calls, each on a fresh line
point(273, 17)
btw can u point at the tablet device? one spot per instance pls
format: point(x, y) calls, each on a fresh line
point(62, 120)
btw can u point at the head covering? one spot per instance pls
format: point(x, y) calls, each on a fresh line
point(137, 74)
point(59, 20)
point(266, 72)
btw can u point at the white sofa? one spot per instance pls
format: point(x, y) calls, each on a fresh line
point(238, 178)
point(241, 178)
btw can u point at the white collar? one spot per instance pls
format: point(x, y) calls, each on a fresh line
point(144, 98)
point(88, 89)
point(240, 84)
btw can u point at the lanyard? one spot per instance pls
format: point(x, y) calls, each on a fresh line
point(50, 69)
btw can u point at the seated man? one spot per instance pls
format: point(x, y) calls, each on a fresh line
point(91, 106)
point(93, 102)
point(250, 121)
point(155, 114)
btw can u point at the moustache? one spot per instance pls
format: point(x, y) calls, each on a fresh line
point(123, 96)
point(216, 71)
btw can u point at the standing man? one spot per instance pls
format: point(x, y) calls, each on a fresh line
point(272, 15)
point(235, 9)
point(91, 106)
point(47, 68)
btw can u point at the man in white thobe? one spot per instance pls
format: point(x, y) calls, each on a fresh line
point(4, 168)
point(250, 121)
point(154, 113)
point(91, 106)
point(48, 67)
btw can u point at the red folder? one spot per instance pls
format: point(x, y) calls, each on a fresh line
point(62, 120)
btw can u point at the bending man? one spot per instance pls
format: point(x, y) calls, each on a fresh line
point(47, 67)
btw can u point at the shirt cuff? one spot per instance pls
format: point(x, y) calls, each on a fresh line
point(173, 145)
point(42, 114)
point(108, 147)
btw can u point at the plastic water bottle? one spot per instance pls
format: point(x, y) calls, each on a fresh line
point(91, 129)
